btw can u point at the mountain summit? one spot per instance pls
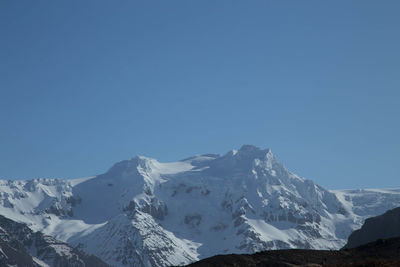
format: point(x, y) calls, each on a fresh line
point(143, 212)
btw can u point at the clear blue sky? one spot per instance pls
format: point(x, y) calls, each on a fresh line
point(84, 84)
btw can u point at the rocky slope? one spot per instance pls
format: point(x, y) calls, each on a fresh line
point(384, 226)
point(20, 246)
point(145, 213)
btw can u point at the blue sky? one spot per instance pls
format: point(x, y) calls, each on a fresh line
point(85, 84)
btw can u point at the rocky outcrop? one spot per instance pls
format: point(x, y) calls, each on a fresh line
point(384, 226)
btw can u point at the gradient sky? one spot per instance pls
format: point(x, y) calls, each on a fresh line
point(84, 84)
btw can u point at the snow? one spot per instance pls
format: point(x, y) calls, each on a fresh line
point(40, 262)
point(77, 181)
point(170, 168)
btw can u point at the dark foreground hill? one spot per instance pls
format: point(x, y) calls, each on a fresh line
point(383, 252)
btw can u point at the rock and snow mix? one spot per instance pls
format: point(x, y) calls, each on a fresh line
point(20, 246)
point(146, 213)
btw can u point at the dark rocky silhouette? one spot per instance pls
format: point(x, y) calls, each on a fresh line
point(384, 226)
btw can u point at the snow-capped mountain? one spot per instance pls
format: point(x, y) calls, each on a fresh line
point(145, 213)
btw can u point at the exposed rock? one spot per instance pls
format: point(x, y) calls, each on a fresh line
point(193, 220)
point(384, 226)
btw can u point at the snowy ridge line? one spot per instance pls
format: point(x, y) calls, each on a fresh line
point(394, 190)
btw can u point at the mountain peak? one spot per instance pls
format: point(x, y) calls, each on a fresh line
point(130, 164)
point(247, 147)
point(251, 149)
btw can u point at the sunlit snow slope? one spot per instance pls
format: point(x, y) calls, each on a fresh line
point(146, 213)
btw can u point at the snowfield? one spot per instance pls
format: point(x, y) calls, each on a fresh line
point(145, 213)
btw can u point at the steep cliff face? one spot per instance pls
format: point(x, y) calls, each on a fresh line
point(384, 226)
point(146, 213)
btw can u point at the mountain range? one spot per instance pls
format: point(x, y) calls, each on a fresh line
point(142, 212)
